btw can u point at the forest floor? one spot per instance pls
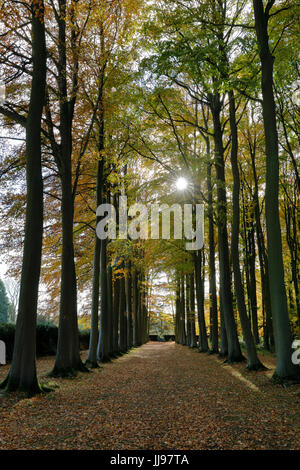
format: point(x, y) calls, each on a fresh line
point(161, 396)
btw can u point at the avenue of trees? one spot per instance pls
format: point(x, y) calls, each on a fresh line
point(122, 97)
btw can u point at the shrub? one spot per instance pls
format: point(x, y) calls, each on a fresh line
point(46, 339)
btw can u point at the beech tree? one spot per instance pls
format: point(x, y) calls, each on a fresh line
point(22, 375)
point(285, 369)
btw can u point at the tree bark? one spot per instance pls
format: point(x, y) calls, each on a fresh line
point(252, 358)
point(212, 266)
point(116, 310)
point(234, 350)
point(110, 310)
point(177, 311)
point(103, 350)
point(188, 310)
point(182, 313)
point(129, 307)
point(94, 331)
point(22, 375)
point(193, 341)
point(122, 316)
point(68, 360)
point(203, 341)
point(135, 309)
point(285, 369)
point(253, 295)
point(292, 241)
point(224, 343)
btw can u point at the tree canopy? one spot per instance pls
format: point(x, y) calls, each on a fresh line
point(122, 98)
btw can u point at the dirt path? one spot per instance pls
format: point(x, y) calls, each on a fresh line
point(160, 396)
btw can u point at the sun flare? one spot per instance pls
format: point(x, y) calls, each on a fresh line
point(181, 183)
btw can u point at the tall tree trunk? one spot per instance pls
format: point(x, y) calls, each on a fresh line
point(68, 359)
point(234, 350)
point(110, 310)
point(188, 311)
point(193, 341)
point(224, 343)
point(182, 313)
point(122, 316)
point(22, 375)
point(177, 311)
point(144, 310)
point(129, 307)
point(253, 295)
point(139, 313)
point(263, 259)
point(116, 311)
point(203, 341)
point(103, 350)
point(293, 244)
point(285, 369)
point(253, 361)
point(212, 266)
point(246, 253)
point(135, 308)
point(92, 356)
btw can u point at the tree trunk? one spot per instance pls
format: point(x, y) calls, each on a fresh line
point(188, 311)
point(193, 341)
point(224, 343)
point(234, 350)
point(212, 266)
point(182, 314)
point(116, 310)
point(103, 350)
point(144, 310)
point(122, 316)
point(129, 307)
point(263, 263)
point(292, 241)
point(135, 308)
point(68, 359)
point(285, 369)
point(253, 361)
point(253, 296)
point(22, 375)
point(203, 341)
point(177, 312)
point(92, 356)
point(110, 310)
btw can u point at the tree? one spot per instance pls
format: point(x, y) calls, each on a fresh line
point(22, 375)
point(253, 361)
point(285, 369)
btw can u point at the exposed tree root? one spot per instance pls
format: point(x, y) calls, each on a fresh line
point(287, 380)
point(258, 366)
point(91, 364)
point(235, 359)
